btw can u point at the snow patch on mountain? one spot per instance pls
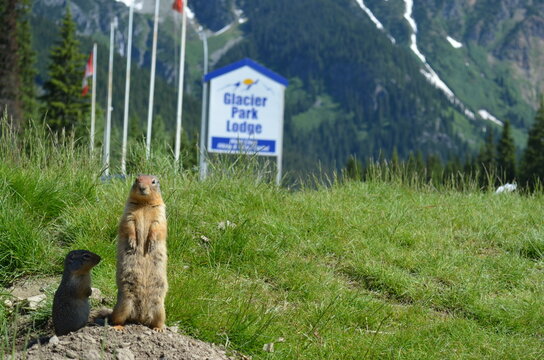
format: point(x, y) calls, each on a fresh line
point(138, 5)
point(190, 13)
point(240, 15)
point(374, 19)
point(240, 19)
point(428, 71)
point(434, 79)
point(487, 116)
point(456, 44)
point(221, 31)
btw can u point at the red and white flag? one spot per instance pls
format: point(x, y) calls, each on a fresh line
point(178, 6)
point(89, 70)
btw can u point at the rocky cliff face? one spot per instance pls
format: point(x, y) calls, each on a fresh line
point(510, 31)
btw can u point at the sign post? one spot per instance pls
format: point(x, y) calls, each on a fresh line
point(246, 105)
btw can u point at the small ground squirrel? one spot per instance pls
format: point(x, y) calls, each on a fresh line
point(71, 303)
point(141, 257)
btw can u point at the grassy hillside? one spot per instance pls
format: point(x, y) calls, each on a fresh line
point(349, 271)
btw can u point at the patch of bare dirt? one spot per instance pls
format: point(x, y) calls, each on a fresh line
point(134, 342)
point(95, 342)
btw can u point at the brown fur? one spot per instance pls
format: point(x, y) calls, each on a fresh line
point(141, 257)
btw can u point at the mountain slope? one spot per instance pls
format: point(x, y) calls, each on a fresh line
point(489, 53)
point(367, 76)
point(334, 49)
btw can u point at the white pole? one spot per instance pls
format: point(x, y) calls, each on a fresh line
point(152, 81)
point(107, 128)
point(180, 86)
point(203, 121)
point(93, 100)
point(280, 142)
point(127, 91)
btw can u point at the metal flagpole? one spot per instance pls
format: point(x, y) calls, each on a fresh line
point(279, 158)
point(180, 86)
point(127, 91)
point(152, 81)
point(93, 100)
point(203, 121)
point(107, 128)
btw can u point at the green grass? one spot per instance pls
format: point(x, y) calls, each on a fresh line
point(353, 270)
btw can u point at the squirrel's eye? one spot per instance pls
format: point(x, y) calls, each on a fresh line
point(154, 182)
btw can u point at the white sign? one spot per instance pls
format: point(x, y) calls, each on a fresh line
point(246, 110)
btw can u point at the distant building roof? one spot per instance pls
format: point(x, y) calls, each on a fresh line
point(252, 64)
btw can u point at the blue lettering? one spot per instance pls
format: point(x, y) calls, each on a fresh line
point(244, 113)
point(252, 100)
point(244, 128)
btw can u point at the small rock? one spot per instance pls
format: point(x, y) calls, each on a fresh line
point(174, 329)
point(96, 294)
point(226, 224)
point(269, 347)
point(205, 239)
point(93, 355)
point(70, 354)
point(124, 354)
point(125, 345)
point(86, 339)
point(280, 340)
point(8, 303)
point(506, 188)
point(54, 340)
point(35, 301)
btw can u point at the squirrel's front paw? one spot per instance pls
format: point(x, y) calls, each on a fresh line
point(132, 242)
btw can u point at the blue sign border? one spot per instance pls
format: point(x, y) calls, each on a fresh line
point(252, 64)
point(241, 145)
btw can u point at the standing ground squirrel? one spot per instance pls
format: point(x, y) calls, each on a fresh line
point(141, 257)
point(71, 303)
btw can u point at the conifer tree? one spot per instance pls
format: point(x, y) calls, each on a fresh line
point(395, 161)
point(532, 168)
point(506, 155)
point(354, 168)
point(453, 168)
point(434, 169)
point(66, 108)
point(26, 60)
point(487, 159)
point(9, 66)
point(420, 163)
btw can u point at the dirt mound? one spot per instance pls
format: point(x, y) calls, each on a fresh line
point(135, 342)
